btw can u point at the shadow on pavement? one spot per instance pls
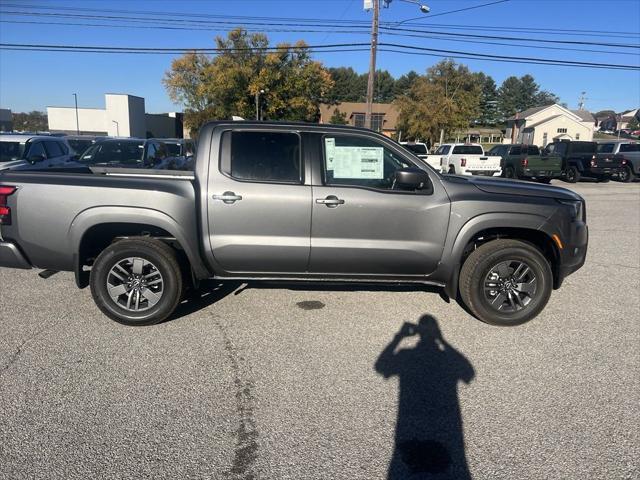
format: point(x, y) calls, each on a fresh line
point(210, 292)
point(429, 440)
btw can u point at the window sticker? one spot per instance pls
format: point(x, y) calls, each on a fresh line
point(358, 162)
point(330, 149)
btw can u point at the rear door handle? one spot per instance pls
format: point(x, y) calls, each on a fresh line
point(228, 197)
point(331, 201)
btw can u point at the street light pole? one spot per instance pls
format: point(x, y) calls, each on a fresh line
point(258, 92)
point(372, 63)
point(75, 96)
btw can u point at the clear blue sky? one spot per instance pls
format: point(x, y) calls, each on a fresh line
point(34, 80)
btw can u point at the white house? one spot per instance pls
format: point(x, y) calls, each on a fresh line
point(541, 125)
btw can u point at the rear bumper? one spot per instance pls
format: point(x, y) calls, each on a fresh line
point(602, 171)
point(11, 257)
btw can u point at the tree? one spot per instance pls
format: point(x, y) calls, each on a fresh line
point(383, 87)
point(488, 104)
point(517, 94)
point(347, 86)
point(446, 98)
point(404, 83)
point(289, 83)
point(338, 117)
point(634, 124)
point(30, 122)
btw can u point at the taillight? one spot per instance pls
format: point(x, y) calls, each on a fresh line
point(525, 162)
point(463, 162)
point(5, 211)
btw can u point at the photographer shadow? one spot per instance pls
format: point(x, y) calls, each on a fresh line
point(429, 439)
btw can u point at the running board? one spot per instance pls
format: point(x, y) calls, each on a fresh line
point(47, 273)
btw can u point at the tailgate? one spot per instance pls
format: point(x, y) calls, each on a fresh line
point(608, 160)
point(479, 163)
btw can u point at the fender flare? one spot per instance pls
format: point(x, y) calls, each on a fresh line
point(94, 216)
point(477, 224)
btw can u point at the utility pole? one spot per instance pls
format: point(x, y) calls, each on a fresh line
point(75, 96)
point(581, 101)
point(372, 62)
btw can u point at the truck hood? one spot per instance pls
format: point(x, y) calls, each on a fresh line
point(507, 186)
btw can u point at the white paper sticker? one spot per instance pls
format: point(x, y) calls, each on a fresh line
point(330, 148)
point(358, 162)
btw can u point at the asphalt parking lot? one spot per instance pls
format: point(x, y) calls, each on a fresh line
point(307, 383)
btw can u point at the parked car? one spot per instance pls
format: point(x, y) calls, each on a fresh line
point(581, 159)
point(526, 162)
point(182, 148)
point(629, 150)
point(25, 152)
point(129, 153)
point(465, 159)
point(296, 202)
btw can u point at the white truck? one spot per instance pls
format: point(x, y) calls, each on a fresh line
point(420, 150)
point(465, 159)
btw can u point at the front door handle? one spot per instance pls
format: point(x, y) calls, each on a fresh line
point(228, 197)
point(331, 201)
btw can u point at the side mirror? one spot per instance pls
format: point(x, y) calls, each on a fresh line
point(36, 158)
point(412, 178)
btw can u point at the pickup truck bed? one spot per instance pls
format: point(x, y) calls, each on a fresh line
point(294, 202)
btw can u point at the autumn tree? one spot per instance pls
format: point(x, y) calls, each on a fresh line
point(445, 99)
point(338, 117)
point(291, 85)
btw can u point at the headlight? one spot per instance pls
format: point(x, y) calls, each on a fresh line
point(577, 207)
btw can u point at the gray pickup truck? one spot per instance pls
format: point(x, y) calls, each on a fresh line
point(294, 202)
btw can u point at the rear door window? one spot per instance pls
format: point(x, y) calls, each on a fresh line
point(630, 147)
point(53, 149)
point(263, 156)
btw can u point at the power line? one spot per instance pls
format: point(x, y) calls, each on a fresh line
point(435, 36)
point(350, 22)
point(455, 11)
point(316, 48)
point(325, 25)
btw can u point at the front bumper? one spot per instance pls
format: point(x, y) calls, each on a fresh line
point(572, 256)
point(11, 257)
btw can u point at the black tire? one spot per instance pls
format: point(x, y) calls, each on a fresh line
point(452, 170)
point(161, 257)
point(572, 174)
point(509, 172)
point(482, 262)
point(626, 175)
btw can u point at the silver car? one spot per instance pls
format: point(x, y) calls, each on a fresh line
point(33, 152)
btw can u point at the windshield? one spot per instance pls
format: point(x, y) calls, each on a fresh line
point(173, 149)
point(80, 145)
point(417, 148)
point(124, 153)
point(11, 151)
point(468, 150)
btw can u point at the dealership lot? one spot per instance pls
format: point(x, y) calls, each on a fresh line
point(291, 383)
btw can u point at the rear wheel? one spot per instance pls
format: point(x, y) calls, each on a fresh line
point(572, 174)
point(509, 172)
point(137, 281)
point(626, 175)
point(506, 282)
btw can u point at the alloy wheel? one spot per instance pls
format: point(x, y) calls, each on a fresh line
point(510, 286)
point(135, 284)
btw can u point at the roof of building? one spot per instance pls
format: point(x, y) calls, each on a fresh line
point(584, 115)
point(544, 120)
point(350, 108)
point(528, 112)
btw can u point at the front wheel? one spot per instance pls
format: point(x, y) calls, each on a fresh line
point(506, 282)
point(509, 172)
point(137, 281)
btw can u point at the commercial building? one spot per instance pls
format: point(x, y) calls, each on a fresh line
point(542, 125)
point(123, 116)
point(6, 120)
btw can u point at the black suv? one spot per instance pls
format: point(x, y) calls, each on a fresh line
point(581, 159)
